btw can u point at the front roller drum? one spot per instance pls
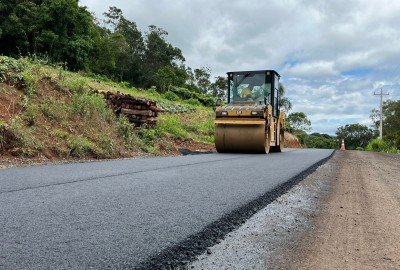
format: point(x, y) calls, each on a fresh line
point(241, 138)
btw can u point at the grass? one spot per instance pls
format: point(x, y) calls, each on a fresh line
point(379, 145)
point(61, 115)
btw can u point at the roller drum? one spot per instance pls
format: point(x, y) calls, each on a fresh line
point(245, 138)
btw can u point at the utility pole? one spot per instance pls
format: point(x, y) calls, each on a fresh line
point(381, 124)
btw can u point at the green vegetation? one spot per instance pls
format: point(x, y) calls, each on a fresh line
point(299, 124)
point(381, 145)
point(63, 32)
point(60, 116)
point(391, 128)
point(317, 140)
point(355, 135)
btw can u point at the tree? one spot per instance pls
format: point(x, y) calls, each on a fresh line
point(284, 102)
point(322, 141)
point(391, 117)
point(202, 79)
point(130, 46)
point(158, 54)
point(298, 122)
point(219, 87)
point(355, 135)
point(59, 29)
point(18, 26)
point(170, 76)
point(66, 31)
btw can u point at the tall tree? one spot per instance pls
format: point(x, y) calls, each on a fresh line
point(60, 29)
point(391, 116)
point(298, 122)
point(158, 54)
point(219, 87)
point(202, 78)
point(284, 102)
point(130, 45)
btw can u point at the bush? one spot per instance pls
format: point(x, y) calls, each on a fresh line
point(194, 102)
point(79, 86)
point(10, 69)
point(379, 145)
point(393, 138)
point(360, 149)
point(106, 146)
point(171, 96)
point(25, 143)
point(187, 94)
point(53, 110)
point(81, 147)
point(30, 115)
point(30, 81)
point(125, 130)
point(3, 138)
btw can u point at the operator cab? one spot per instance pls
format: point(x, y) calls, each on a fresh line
point(254, 87)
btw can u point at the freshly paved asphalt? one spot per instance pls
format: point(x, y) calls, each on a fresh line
point(115, 214)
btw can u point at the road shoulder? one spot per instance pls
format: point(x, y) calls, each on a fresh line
point(357, 226)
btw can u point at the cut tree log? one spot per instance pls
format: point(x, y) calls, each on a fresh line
point(138, 110)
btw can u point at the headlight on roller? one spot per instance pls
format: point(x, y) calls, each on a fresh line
point(255, 113)
point(224, 113)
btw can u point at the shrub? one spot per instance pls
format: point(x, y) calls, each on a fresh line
point(30, 114)
point(379, 145)
point(106, 146)
point(393, 138)
point(188, 94)
point(3, 138)
point(30, 81)
point(53, 110)
point(360, 149)
point(125, 130)
point(60, 134)
point(81, 147)
point(25, 143)
point(194, 102)
point(171, 96)
point(79, 86)
point(10, 69)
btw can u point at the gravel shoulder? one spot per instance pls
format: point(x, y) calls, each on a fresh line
point(357, 226)
point(343, 216)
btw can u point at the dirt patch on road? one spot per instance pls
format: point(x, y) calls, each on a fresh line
point(357, 225)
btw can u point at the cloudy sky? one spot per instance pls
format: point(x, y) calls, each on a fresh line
point(332, 55)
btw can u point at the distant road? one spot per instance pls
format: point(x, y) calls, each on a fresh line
point(118, 214)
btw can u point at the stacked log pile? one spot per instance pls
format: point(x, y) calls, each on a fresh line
point(139, 111)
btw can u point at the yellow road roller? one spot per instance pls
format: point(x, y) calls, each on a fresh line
point(251, 121)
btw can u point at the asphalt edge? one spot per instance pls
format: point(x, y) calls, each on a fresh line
point(179, 255)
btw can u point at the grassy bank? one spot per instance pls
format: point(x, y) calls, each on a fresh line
point(47, 110)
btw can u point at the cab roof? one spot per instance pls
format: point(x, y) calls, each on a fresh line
point(254, 72)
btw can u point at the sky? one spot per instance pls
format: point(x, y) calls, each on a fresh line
point(332, 55)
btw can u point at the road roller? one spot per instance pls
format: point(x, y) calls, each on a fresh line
point(251, 120)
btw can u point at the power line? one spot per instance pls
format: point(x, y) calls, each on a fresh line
point(381, 94)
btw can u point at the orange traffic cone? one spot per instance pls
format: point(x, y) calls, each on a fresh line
point(342, 147)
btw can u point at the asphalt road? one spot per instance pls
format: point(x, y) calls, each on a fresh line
point(117, 214)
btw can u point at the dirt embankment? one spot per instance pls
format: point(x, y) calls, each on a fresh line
point(291, 141)
point(358, 224)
